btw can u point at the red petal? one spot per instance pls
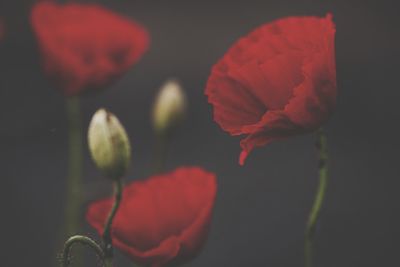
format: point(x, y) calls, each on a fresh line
point(308, 34)
point(314, 100)
point(278, 81)
point(162, 219)
point(86, 46)
point(242, 157)
point(271, 82)
point(234, 105)
point(274, 126)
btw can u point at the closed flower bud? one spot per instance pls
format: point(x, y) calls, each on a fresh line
point(109, 144)
point(169, 107)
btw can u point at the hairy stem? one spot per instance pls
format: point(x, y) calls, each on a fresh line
point(319, 197)
point(84, 240)
point(108, 247)
point(74, 180)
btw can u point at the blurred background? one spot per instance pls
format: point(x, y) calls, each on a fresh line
point(261, 208)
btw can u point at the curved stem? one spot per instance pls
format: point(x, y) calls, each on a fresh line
point(322, 148)
point(74, 180)
point(108, 248)
point(82, 240)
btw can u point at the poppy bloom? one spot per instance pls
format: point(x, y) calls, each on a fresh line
point(276, 82)
point(161, 221)
point(85, 46)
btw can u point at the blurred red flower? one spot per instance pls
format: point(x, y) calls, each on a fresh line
point(163, 220)
point(85, 46)
point(276, 82)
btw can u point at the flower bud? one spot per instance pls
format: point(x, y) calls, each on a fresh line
point(109, 144)
point(169, 107)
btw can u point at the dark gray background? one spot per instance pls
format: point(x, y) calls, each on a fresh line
point(261, 208)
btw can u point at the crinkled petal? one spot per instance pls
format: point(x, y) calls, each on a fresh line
point(274, 126)
point(234, 105)
point(272, 81)
point(287, 78)
point(314, 100)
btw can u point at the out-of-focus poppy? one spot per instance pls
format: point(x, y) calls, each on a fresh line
point(85, 46)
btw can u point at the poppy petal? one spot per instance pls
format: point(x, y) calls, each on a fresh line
point(85, 46)
point(162, 219)
point(276, 82)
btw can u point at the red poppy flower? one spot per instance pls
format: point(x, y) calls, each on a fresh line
point(276, 82)
point(163, 220)
point(86, 46)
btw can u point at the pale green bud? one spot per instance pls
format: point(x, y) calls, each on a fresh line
point(169, 106)
point(109, 144)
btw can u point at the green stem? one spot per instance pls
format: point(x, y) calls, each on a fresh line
point(108, 262)
point(82, 240)
point(74, 180)
point(322, 148)
point(161, 150)
point(108, 247)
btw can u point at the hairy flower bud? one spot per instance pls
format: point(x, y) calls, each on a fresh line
point(169, 106)
point(109, 144)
